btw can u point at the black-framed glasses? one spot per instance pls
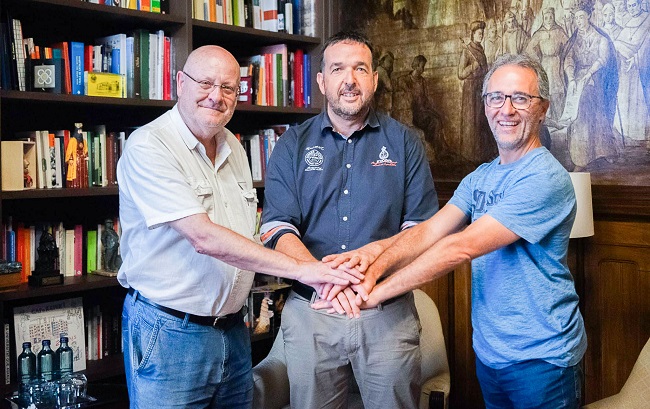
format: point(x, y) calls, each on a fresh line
point(519, 100)
point(226, 90)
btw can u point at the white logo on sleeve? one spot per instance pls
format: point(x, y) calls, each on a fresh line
point(383, 159)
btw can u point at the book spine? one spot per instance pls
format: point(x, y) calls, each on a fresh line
point(77, 67)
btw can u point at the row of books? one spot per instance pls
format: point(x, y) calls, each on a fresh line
point(277, 77)
point(259, 146)
point(103, 328)
point(288, 16)
point(153, 6)
point(80, 248)
point(137, 65)
point(77, 159)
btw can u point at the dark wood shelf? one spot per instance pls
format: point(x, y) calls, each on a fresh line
point(54, 193)
point(97, 12)
point(231, 34)
point(46, 97)
point(70, 285)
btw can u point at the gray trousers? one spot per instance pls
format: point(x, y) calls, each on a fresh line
point(326, 352)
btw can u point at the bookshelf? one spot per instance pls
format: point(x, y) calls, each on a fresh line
point(50, 21)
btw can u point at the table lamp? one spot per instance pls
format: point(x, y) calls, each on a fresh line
point(583, 226)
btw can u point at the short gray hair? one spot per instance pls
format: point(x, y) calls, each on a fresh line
point(524, 61)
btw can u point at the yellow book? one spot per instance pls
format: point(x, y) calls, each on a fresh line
point(103, 84)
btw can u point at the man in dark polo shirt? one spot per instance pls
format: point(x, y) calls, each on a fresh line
point(344, 184)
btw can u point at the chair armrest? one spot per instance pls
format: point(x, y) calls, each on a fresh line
point(436, 385)
point(271, 384)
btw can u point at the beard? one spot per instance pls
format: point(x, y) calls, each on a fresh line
point(347, 111)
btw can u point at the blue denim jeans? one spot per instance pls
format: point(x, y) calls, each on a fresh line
point(173, 363)
point(530, 384)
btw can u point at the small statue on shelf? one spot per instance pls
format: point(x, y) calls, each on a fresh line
point(48, 255)
point(111, 259)
point(28, 181)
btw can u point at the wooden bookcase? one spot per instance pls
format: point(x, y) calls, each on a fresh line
point(50, 21)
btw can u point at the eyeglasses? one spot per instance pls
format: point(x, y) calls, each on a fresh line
point(226, 90)
point(518, 100)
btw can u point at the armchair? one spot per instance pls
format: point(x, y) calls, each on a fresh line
point(634, 393)
point(271, 390)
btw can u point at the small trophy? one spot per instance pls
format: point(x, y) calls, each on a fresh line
point(47, 266)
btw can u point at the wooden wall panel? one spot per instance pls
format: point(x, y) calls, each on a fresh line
point(616, 304)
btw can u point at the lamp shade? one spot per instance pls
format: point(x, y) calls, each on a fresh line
point(583, 226)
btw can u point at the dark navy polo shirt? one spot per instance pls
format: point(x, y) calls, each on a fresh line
point(340, 194)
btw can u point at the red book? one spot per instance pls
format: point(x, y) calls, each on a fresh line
point(21, 251)
point(88, 58)
point(78, 250)
point(167, 70)
point(299, 79)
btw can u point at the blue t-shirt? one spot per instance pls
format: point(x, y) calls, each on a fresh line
point(524, 303)
point(340, 194)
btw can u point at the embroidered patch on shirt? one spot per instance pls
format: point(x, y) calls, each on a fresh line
point(314, 158)
point(383, 159)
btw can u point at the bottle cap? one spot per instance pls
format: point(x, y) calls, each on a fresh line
point(27, 345)
point(64, 339)
point(46, 342)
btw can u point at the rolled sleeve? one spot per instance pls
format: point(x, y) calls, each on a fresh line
point(282, 212)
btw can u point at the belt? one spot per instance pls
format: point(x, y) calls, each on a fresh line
point(223, 323)
point(307, 292)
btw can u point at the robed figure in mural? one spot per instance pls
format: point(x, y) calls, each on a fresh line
point(476, 141)
point(547, 46)
point(424, 114)
point(632, 45)
point(592, 84)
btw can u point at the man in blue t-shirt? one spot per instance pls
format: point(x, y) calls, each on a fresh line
point(529, 335)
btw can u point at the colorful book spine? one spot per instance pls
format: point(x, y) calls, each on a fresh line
point(77, 67)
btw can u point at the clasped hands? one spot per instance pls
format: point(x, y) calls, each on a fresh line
point(352, 298)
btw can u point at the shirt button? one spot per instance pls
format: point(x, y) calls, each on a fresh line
point(343, 247)
point(345, 192)
point(349, 140)
point(345, 218)
point(348, 166)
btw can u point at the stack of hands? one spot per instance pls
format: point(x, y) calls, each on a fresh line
point(348, 298)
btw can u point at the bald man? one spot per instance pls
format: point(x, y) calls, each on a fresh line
point(187, 211)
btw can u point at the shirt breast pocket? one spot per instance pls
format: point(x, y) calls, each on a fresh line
point(204, 193)
point(250, 202)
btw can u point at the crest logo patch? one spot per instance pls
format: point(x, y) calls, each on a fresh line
point(383, 159)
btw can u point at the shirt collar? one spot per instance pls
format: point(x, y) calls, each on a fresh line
point(192, 143)
point(371, 120)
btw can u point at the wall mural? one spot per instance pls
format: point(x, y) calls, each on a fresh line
point(432, 56)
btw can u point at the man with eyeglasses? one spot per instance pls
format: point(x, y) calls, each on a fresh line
point(188, 212)
point(529, 335)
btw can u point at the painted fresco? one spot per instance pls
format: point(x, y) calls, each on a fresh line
point(432, 56)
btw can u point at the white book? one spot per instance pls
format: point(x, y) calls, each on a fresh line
point(59, 236)
point(257, 15)
point(153, 58)
point(69, 253)
point(32, 249)
point(129, 68)
point(288, 17)
point(58, 166)
point(159, 64)
point(219, 10)
point(100, 247)
point(198, 12)
point(256, 158)
point(47, 155)
point(269, 15)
